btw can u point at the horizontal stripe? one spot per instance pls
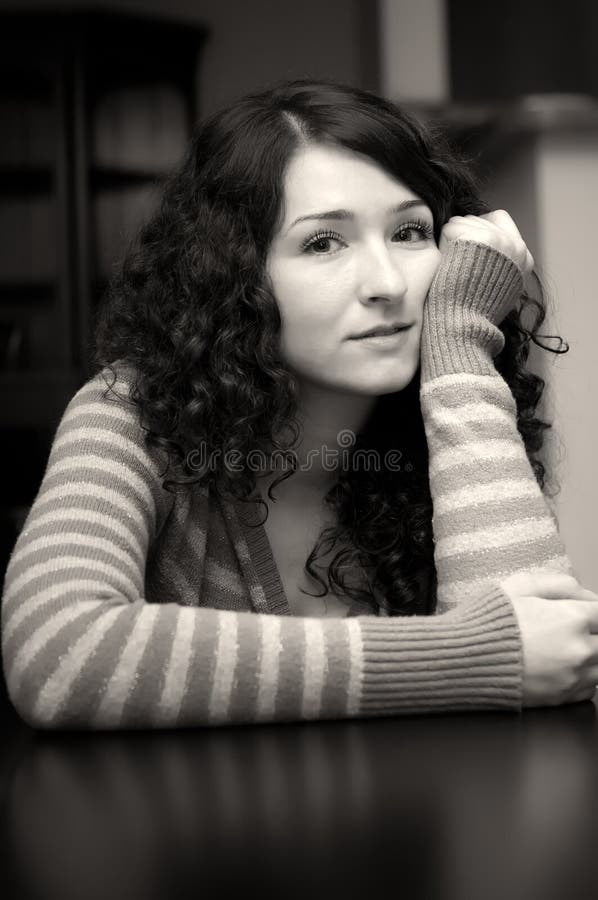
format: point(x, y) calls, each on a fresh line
point(462, 383)
point(464, 569)
point(475, 471)
point(97, 440)
point(471, 412)
point(71, 541)
point(490, 492)
point(91, 521)
point(462, 455)
point(80, 492)
point(73, 588)
point(496, 512)
point(98, 410)
point(486, 430)
point(64, 564)
point(556, 565)
point(106, 471)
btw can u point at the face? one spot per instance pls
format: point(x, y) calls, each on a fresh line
point(338, 275)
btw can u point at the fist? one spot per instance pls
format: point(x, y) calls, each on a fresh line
point(497, 229)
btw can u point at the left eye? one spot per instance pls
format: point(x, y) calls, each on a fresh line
point(422, 229)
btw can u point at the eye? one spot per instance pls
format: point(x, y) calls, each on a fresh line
point(415, 232)
point(319, 238)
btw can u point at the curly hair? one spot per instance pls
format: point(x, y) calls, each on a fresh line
point(192, 312)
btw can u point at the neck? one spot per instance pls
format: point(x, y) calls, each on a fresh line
point(330, 424)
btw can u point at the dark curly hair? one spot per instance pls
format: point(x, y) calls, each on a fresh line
point(192, 311)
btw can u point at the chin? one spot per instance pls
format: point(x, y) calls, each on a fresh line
point(377, 388)
point(391, 382)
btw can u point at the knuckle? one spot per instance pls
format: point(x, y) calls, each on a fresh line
point(581, 654)
point(570, 681)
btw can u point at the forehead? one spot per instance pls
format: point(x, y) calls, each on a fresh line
point(323, 177)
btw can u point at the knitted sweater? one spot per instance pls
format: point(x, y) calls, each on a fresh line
point(127, 606)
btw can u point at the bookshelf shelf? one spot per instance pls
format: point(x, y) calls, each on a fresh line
point(18, 180)
point(102, 178)
point(27, 292)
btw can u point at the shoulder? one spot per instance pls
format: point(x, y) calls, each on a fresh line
point(101, 428)
point(103, 404)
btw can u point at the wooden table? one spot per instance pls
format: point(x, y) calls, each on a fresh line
point(488, 806)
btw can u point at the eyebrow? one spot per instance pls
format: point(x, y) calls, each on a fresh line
point(341, 214)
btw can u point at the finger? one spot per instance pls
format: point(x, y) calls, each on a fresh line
point(589, 679)
point(529, 263)
point(502, 219)
point(586, 692)
point(588, 617)
point(549, 585)
point(459, 222)
point(591, 608)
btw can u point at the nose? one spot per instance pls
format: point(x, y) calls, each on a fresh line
point(381, 275)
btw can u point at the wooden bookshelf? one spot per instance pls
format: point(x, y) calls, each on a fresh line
point(95, 108)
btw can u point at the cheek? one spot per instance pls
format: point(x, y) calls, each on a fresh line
point(424, 275)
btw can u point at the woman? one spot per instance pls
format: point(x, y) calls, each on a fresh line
point(146, 589)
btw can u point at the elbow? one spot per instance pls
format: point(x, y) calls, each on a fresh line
point(27, 711)
point(28, 698)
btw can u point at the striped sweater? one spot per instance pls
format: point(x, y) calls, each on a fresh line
point(126, 606)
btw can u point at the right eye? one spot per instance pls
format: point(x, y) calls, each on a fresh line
point(320, 237)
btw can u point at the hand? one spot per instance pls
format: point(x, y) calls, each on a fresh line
point(558, 621)
point(497, 229)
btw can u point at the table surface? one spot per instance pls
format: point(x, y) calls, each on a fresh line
point(496, 806)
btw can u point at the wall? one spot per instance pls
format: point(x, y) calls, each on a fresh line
point(255, 42)
point(549, 183)
point(414, 59)
point(567, 176)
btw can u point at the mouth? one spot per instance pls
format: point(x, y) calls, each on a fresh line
point(389, 332)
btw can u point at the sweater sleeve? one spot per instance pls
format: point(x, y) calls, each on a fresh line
point(491, 518)
point(82, 647)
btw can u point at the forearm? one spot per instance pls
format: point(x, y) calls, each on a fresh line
point(98, 664)
point(490, 516)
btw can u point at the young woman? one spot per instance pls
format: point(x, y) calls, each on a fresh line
point(242, 426)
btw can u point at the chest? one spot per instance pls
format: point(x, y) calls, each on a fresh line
point(293, 532)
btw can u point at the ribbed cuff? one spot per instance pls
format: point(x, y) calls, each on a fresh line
point(469, 658)
point(473, 290)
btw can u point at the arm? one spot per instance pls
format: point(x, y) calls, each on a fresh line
point(491, 519)
point(82, 648)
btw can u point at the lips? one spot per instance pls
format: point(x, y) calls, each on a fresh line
point(381, 331)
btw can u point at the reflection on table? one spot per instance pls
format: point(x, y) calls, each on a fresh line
point(455, 806)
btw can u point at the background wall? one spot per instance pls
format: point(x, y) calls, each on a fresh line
point(262, 40)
